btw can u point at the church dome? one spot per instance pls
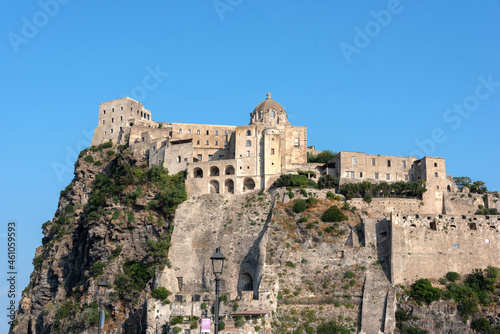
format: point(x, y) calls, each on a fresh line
point(268, 104)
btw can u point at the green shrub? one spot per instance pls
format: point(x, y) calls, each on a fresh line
point(452, 276)
point(322, 157)
point(303, 192)
point(160, 293)
point(310, 226)
point(222, 325)
point(291, 194)
point(89, 159)
point(327, 181)
point(367, 198)
point(177, 320)
point(257, 328)
point(107, 144)
point(330, 195)
point(177, 329)
point(482, 325)
point(299, 206)
point(97, 268)
point(352, 282)
point(333, 214)
point(423, 291)
point(349, 274)
point(290, 264)
point(329, 229)
point(408, 329)
point(239, 323)
point(311, 202)
point(302, 220)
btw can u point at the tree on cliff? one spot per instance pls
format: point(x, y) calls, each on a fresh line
point(322, 157)
point(477, 187)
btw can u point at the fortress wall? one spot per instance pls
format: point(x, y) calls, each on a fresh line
point(462, 203)
point(429, 246)
point(388, 205)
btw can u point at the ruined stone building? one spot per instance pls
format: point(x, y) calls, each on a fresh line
point(218, 158)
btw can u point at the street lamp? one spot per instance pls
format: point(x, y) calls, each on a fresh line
point(157, 317)
point(217, 267)
point(101, 284)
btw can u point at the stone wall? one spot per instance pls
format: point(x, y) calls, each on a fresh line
point(429, 246)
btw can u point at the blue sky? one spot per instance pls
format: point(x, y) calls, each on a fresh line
point(384, 77)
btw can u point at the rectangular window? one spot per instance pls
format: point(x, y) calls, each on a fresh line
point(403, 163)
point(216, 132)
point(199, 157)
point(112, 109)
point(272, 151)
point(297, 142)
point(103, 121)
point(352, 175)
point(210, 157)
point(347, 174)
point(180, 131)
point(198, 132)
point(121, 108)
point(374, 162)
point(121, 118)
point(104, 112)
point(387, 176)
point(248, 153)
point(225, 143)
point(361, 174)
point(225, 133)
point(435, 174)
point(221, 157)
point(354, 161)
point(112, 120)
point(189, 132)
point(406, 177)
point(216, 143)
point(388, 163)
point(111, 130)
point(207, 142)
point(208, 132)
point(179, 159)
point(376, 176)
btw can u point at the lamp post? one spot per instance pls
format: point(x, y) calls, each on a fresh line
point(157, 317)
point(217, 267)
point(206, 300)
point(101, 284)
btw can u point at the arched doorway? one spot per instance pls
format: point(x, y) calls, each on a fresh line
point(214, 171)
point(229, 170)
point(213, 188)
point(248, 184)
point(198, 173)
point(229, 186)
point(245, 283)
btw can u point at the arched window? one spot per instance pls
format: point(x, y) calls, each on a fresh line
point(249, 143)
point(249, 132)
point(198, 173)
point(272, 114)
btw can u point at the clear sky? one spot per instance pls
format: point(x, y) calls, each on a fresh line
point(382, 77)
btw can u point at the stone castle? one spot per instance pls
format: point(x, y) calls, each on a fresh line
point(235, 159)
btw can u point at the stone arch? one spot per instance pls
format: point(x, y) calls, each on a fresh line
point(213, 187)
point(229, 170)
point(248, 184)
point(245, 282)
point(198, 173)
point(214, 171)
point(448, 188)
point(229, 186)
